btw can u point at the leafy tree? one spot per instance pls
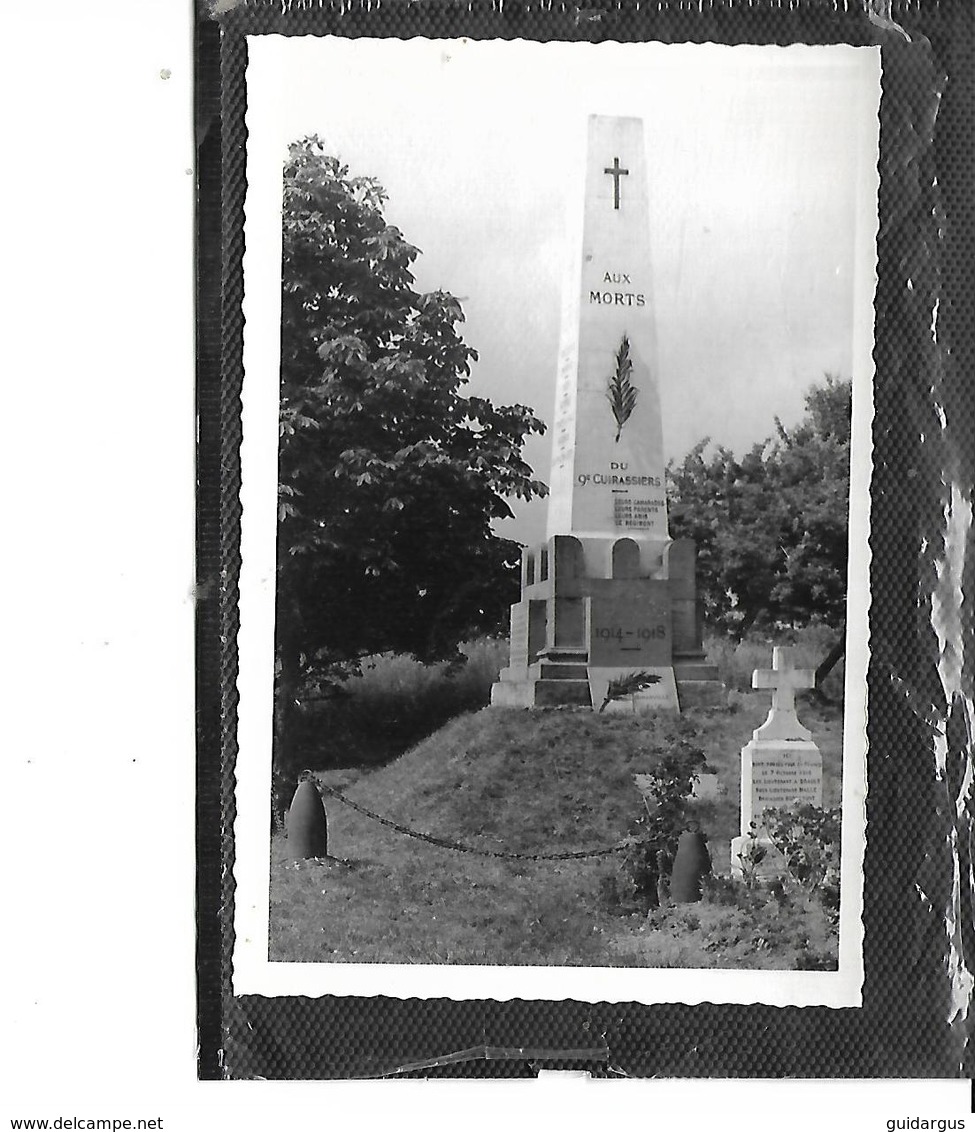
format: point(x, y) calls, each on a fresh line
point(389, 474)
point(771, 528)
point(811, 466)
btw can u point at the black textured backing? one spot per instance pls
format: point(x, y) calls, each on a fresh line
point(924, 438)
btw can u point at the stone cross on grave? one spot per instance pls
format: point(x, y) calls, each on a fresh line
point(784, 679)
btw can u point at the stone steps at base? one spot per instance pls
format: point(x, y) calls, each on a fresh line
point(694, 670)
point(563, 656)
point(561, 693)
point(546, 670)
point(547, 684)
point(701, 693)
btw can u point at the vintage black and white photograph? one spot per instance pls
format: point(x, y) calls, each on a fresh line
point(557, 406)
point(492, 579)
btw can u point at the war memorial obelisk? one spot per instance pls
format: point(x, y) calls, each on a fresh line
point(609, 593)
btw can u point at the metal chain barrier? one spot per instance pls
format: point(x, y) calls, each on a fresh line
point(444, 843)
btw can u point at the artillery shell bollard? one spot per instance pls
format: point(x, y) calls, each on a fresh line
point(691, 865)
point(307, 823)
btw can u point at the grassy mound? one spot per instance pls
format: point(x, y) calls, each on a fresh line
point(527, 782)
point(523, 781)
point(392, 705)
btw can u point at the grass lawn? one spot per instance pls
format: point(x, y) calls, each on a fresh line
point(535, 782)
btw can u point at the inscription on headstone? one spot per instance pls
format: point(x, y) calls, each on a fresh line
point(782, 776)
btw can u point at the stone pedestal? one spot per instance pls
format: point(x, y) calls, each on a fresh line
point(577, 628)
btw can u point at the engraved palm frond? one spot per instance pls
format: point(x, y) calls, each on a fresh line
point(628, 685)
point(621, 392)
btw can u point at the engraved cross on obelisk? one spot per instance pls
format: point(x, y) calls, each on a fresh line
point(616, 172)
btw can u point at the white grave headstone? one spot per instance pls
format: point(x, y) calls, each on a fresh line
point(781, 768)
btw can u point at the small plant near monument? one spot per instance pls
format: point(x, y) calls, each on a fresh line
point(650, 846)
point(628, 685)
point(770, 928)
point(809, 839)
point(752, 855)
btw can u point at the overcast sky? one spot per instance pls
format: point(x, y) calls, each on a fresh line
point(761, 164)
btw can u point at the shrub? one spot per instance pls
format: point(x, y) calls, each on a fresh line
point(782, 918)
point(650, 846)
point(752, 854)
point(766, 927)
point(785, 923)
point(809, 839)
